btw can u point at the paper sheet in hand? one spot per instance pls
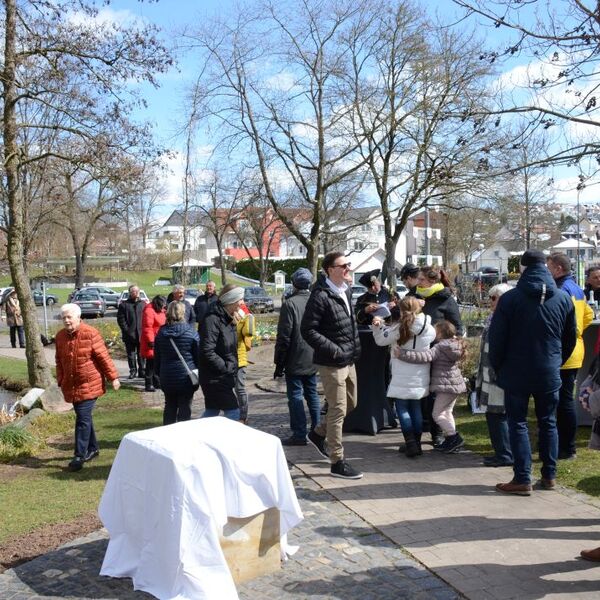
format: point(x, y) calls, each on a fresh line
point(383, 312)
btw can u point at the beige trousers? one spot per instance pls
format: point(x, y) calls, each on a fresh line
point(339, 385)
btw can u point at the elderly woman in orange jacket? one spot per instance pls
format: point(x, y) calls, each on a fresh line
point(82, 366)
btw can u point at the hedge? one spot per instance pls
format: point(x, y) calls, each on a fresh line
point(245, 268)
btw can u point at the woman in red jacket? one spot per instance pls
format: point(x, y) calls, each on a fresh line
point(153, 318)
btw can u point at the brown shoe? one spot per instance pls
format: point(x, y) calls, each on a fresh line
point(518, 489)
point(591, 554)
point(546, 484)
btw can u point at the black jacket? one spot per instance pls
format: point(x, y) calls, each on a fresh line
point(202, 305)
point(365, 319)
point(532, 333)
point(442, 306)
point(218, 358)
point(329, 329)
point(167, 365)
point(129, 319)
point(291, 351)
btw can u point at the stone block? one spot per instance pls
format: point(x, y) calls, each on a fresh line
point(31, 416)
point(251, 545)
point(53, 400)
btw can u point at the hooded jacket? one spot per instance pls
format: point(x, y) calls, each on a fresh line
point(173, 375)
point(584, 315)
point(532, 333)
point(329, 329)
point(442, 306)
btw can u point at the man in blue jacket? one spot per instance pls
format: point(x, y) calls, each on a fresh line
point(533, 332)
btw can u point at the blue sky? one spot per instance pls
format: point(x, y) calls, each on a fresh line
point(165, 108)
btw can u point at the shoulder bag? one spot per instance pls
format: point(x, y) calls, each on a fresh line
point(192, 373)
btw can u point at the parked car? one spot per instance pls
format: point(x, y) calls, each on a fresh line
point(38, 297)
point(125, 295)
point(110, 296)
point(357, 292)
point(401, 290)
point(190, 295)
point(257, 300)
point(90, 302)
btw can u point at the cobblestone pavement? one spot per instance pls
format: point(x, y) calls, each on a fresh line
point(427, 528)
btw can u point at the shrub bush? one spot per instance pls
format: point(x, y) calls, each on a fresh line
point(245, 268)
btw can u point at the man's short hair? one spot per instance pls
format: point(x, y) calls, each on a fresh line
point(133, 286)
point(70, 308)
point(178, 288)
point(559, 259)
point(329, 259)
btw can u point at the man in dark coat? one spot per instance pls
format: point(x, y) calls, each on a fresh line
point(532, 333)
point(129, 319)
point(204, 301)
point(219, 355)
point(329, 326)
point(294, 359)
point(372, 300)
point(178, 295)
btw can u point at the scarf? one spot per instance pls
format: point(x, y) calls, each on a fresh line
point(430, 291)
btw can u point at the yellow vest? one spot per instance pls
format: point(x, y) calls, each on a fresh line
point(584, 315)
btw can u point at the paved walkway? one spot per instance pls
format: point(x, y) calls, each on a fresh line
point(432, 527)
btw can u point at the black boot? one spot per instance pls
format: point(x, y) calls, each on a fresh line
point(148, 387)
point(132, 362)
point(412, 449)
point(418, 442)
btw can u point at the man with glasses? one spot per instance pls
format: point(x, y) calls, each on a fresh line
point(329, 327)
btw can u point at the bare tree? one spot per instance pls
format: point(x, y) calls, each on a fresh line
point(272, 84)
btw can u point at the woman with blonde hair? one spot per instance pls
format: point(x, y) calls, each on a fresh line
point(176, 342)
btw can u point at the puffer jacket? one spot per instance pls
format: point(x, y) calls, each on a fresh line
point(245, 329)
point(152, 321)
point(329, 328)
point(292, 353)
point(584, 315)
point(218, 358)
point(408, 382)
point(442, 306)
point(532, 334)
point(83, 364)
point(445, 374)
point(173, 375)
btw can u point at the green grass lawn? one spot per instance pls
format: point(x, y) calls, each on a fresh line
point(582, 474)
point(38, 490)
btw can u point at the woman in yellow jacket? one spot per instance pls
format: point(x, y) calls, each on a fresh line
point(244, 322)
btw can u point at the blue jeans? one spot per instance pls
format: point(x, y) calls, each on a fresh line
point(17, 330)
point(85, 436)
point(300, 388)
point(545, 410)
point(566, 416)
point(410, 416)
point(499, 436)
point(231, 413)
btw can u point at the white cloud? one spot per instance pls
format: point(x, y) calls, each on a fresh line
point(105, 16)
point(566, 191)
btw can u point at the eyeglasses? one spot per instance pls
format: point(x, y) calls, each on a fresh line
point(344, 266)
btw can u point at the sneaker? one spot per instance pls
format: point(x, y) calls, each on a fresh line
point(518, 489)
point(294, 441)
point(132, 374)
point(545, 484)
point(91, 455)
point(453, 444)
point(76, 464)
point(318, 441)
point(149, 388)
point(593, 555)
point(344, 470)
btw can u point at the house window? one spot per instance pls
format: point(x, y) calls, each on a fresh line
point(366, 228)
point(497, 253)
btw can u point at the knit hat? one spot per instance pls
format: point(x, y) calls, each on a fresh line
point(231, 295)
point(302, 278)
point(532, 256)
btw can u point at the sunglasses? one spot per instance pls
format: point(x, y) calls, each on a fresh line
point(344, 266)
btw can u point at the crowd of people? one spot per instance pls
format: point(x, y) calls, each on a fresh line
point(531, 346)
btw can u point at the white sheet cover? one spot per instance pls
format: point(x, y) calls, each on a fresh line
point(171, 490)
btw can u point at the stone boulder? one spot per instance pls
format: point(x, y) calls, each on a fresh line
point(29, 418)
point(53, 400)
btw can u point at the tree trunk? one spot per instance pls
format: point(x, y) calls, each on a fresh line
point(312, 258)
point(390, 257)
point(37, 366)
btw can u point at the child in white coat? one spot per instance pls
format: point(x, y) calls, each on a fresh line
point(409, 383)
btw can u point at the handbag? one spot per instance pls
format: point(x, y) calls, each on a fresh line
point(192, 373)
